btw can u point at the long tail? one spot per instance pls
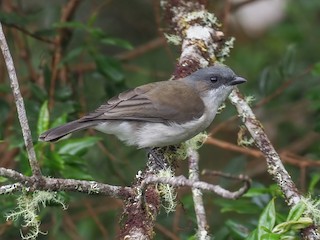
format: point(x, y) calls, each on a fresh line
point(55, 134)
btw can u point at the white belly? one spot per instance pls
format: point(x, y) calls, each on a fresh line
point(154, 134)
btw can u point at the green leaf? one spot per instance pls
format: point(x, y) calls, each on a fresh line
point(54, 162)
point(314, 96)
point(38, 92)
point(193, 237)
point(254, 192)
point(109, 67)
point(316, 70)
point(117, 42)
point(13, 19)
point(296, 212)
point(270, 236)
point(243, 206)
point(4, 110)
point(71, 24)
point(63, 93)
point(59, 121)
point(287, 226)
point(47, 75)
point(287, 65)
point(253, 235)
point(72, 55)
point(45, 32)
point(75, 172)
point(76, 146)
point(3, 179)
point(96, 33)
point(92, 19)
point(267, 219)
point(5, 88)
point(314, 181)
point(43, 119)
point(258, 191)
point(75, 167)
point(65, 106)
point(237, 230)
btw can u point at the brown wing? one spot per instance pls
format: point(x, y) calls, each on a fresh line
point(155, 102)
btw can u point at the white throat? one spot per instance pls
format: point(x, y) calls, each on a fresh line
point(213, 100)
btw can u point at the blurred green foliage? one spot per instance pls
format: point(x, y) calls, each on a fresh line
point(91, 71)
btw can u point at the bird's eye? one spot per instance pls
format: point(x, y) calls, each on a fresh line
point(213, 79)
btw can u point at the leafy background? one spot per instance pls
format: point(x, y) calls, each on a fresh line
point(100, 59)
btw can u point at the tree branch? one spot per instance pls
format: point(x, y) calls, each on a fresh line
point(56, 184)
point(202, 44)
point(20, 106)
point(182, 181)
point(197, 196)
point(25, 31)
point(275, 166)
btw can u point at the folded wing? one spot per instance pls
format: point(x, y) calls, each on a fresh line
point(159, 102)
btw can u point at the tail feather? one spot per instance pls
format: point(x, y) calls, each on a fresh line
point(55, 134)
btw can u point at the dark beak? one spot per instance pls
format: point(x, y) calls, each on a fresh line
point(237, 80)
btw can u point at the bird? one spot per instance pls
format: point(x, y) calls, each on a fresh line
point(161, 113)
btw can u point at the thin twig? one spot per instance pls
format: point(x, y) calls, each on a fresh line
point(257, 167)
point(199, 209)
point(94, 216)
point(285, 155)
point(25, 31)
point(68, 185)
point(142, 49)
point(166, 232)
point(182, 181)
point(11, 188)
point(20, 106)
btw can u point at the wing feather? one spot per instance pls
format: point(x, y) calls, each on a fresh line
point(152, 103)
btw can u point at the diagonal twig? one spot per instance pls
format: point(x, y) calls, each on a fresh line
point(275, 166)
point(20, 106)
